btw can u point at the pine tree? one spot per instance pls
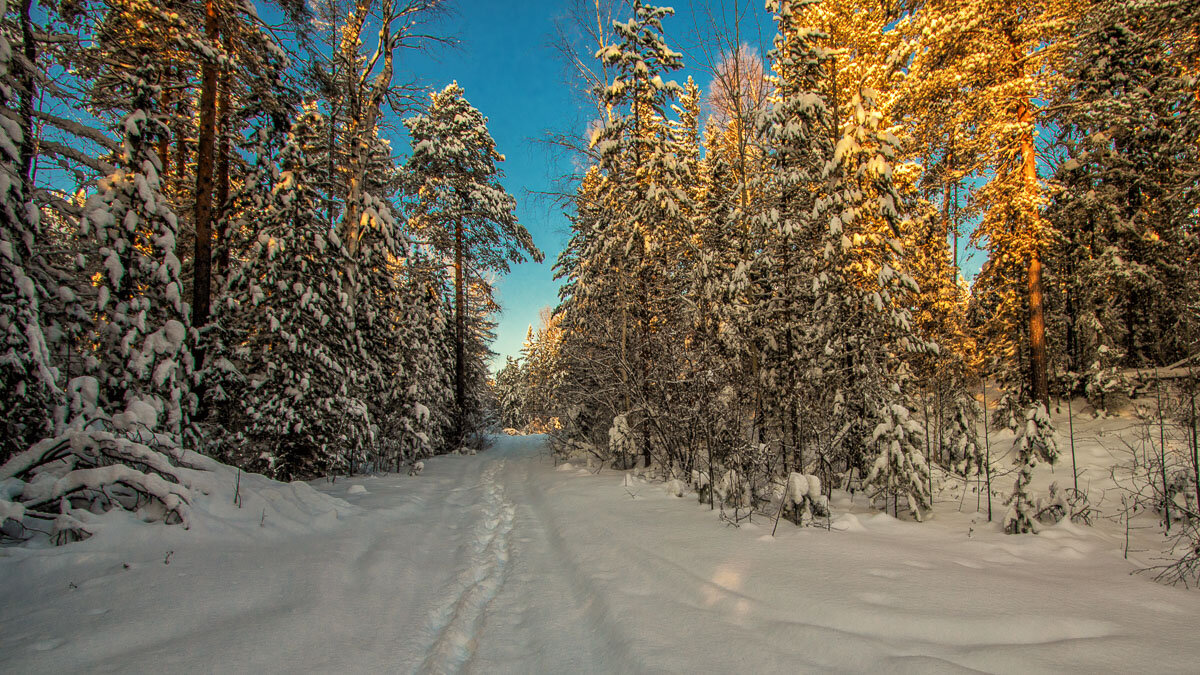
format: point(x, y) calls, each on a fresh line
point(594, 319)
point(222, 373)
point(947, 375)
point(462, 211)
point(977, 74)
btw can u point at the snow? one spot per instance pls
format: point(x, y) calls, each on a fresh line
point(499, 563)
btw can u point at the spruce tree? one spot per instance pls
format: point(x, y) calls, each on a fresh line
point(27, 373)
point(295, 347)
point(142, 326)
point(1035, 441)
point(118, 442)
point(649, 223)
point(863, 326)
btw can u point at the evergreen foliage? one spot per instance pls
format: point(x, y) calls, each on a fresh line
point(1035, 441)
point(466, 217)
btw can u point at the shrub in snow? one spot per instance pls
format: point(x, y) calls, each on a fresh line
point(620, 439)
point(733, 490)
point(803, 491)
point(416, 469)
point(702, 485)
point(962, 442)
point(1060, 504)
point(98, 463)
point(1035, 440)
point(675, 487)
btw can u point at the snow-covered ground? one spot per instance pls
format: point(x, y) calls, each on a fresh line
point(504, 563)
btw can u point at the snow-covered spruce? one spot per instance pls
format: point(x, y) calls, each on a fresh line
point(899, 470)
point(624, 305)
point(1035, 441)
point(141, 323)
point(27, 375)
point(101, 459)
point(291, 337)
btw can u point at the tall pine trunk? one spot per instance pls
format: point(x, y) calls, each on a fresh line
point(223, 131)
point(460, 336)
point(202, 263)
point(27, 93)
point(1037, 318)
point(178, 127)
point(164, 141)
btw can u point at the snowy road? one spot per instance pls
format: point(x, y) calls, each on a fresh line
point(503, 563)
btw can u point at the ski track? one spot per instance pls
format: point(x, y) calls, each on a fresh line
point(458, 624)
point(583, 634)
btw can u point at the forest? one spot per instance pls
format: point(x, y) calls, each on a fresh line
point(776, 288)
point(210, 247)
point(876, 344)
point(212, 251)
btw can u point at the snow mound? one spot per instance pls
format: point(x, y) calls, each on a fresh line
point(565, 466)
point(356, 490)
point(675, 487)
point(847, 522)
point(230, 501)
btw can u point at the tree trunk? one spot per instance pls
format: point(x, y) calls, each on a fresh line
point(202, 263)
point(27, 94)
point(1037, 318)
point(1037, 332)
point(178, 130)
point(460, 336)
point(223, 130)
point(164, 141)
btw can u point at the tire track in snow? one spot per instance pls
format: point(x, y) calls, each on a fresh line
point(608, 640)
point(458, 624)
